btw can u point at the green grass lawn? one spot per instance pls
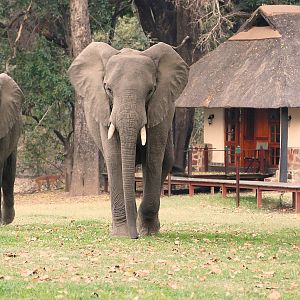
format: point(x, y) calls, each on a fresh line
point(60, 248)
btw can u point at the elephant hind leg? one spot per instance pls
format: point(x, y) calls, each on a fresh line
point(8, 180)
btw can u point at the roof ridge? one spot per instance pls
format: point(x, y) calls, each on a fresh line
point(271, 10)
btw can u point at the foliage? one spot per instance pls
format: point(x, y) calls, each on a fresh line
point(251, 5)
point(207, 250)
point(129, 34)
point(218, 20)
point(42, 75)
point(101, 12)
point(39, 65)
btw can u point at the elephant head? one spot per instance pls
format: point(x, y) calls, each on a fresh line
point(11, 99)
point(129, 92)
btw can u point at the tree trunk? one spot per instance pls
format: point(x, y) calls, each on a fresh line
point(162, 21)
point(85, 174)
point(184, 117)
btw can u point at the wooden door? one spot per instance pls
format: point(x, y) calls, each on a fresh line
point(252, 129)
point(274, 137)
point(232, 116)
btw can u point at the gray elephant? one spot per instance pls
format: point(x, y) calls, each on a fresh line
point(11, 99)
point(129, 106)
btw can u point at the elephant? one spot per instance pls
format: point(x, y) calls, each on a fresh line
point(11, 99)
point(129, 102)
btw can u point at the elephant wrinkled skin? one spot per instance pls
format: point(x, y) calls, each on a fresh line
point(11, 99)
point(129, 103)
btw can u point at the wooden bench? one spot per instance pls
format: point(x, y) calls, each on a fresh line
point(258, 186)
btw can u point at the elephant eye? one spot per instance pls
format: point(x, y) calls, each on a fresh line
point(108, 90)
point(150, 93)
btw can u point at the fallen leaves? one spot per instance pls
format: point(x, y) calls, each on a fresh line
point(173, 285)
point(296, 247)
point(269, 274)
point(274, 295)
point(215, 270)
point(10, 254)
point(260, 255)
point(26, 273)
point(141, 273)
point(38, 275)
point(129, 273)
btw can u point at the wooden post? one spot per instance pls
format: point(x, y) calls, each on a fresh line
point(262, 160)
point(191, 190)
point(106, 184)
point(283, 144)
point(169, 185)
point(226, 160)
point(293, 199)
point(237, 173)
point(259, 197)
point(224, 191)
point(297, 202)
point(190, 160)
point(205, 158)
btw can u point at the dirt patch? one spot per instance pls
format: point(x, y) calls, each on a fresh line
point(56, 197)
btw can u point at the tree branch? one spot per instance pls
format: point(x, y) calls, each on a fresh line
point(14, 52)
point(182, 43)
point(60, 137)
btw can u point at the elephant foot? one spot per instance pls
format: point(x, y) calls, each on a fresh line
point(120, 230)
point(8, 215)
point(148, 226)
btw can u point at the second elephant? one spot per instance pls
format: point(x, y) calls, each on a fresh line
point(11, 99)
point(129, 102)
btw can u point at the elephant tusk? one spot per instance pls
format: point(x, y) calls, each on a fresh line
point(111, 131)
point(143, 135)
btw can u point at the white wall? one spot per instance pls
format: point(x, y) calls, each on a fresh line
point(294, 128)
point(214, 133)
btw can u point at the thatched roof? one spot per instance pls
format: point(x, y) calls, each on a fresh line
point(258, 67)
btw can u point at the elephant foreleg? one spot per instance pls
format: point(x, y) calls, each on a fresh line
point(112, 155)
point(1, 173)
point(119, 221)
point(8, 180)
point(148, 222)
point(155, 169)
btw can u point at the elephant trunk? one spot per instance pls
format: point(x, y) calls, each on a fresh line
point(128, 150)
point(129, 127)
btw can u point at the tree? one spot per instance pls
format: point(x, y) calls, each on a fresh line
point(85, 176)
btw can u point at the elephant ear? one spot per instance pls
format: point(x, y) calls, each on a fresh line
point(172, 77)
point(86, 74)
point(11, 99)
